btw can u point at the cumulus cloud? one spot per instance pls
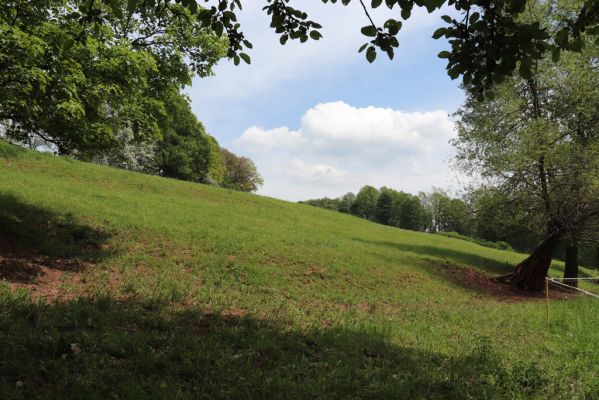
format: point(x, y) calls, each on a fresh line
point(316, 173)
point(338, 129)
point(338, 148)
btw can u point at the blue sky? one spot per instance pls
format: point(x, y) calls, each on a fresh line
point(319, 120)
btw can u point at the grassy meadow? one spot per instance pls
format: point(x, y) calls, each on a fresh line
point(118, 285)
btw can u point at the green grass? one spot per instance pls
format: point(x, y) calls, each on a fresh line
point(168, 289)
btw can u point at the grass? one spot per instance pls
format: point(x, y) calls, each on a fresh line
point(122, 285)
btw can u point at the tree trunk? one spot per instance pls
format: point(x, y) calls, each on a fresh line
point(571, 270)
point(530, 274)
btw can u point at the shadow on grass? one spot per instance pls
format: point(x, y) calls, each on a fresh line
point(450, 255)
point(33, 238)
point(108, 349)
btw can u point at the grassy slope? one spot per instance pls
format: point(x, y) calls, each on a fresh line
point(197, 292)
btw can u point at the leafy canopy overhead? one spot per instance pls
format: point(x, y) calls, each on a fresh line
point(488, 39)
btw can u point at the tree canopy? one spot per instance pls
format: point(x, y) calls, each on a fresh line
point(81, 86)
point(488, 39)
point(537, 142)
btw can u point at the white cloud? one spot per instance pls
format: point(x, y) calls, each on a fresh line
point(339, 148)
point(259, 140)
point(273, 64)
point(316, 173)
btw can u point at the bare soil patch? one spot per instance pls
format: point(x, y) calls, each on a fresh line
point(479, 281)
point(44, 276)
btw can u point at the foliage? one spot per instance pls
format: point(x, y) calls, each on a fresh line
point(446, 214)
point(240, 173)
point(365, 204)
point(186, 151)
point(408, 212)
point(536, 143)
point(489, 40)
point(501, 245)
point(345, 202)
point(89, 89)
point(497, 219)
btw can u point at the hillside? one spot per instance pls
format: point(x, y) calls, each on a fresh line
point(123, 285)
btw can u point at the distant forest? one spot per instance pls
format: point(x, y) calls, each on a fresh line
point(482, 216)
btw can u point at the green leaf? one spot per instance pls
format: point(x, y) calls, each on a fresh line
point(369, 30)
point(193, 6)
point(245, 58)
point(439, 32)
point(115, 6)
point(131, 5)
point(376, 3)
point(562, 36)
point(315, 35)
point(525, 69)
point(371, 54)
point(444, 54)
point(406, 12)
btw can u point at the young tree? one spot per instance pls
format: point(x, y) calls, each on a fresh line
point(537, 141)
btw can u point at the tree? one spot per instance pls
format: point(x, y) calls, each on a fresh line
point(489, 39)
point(537, 141)
point(435, 205)
point(240, 173)
point(408, 212)
point(345, 202)
point(364, 206)
point(88, 89)
point(499, 218)
point(383, 205)
point(186, 150)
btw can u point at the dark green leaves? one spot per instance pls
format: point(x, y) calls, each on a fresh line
point(371, 54)
point(439, 32)
point(131, 5)
point(369, 30)
point(245, 58)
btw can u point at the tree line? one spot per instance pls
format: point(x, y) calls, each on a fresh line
point(483, 215)
point(111, 92)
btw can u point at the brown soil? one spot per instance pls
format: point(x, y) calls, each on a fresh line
point(476, 280)
point(44, 276)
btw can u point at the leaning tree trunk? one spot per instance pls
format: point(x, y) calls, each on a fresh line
point(530, 274)
point(571, 270)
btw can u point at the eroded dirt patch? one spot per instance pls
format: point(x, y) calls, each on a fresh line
point(45, 277)
point(479, 281)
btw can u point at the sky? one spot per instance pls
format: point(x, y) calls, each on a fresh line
point(318, 120)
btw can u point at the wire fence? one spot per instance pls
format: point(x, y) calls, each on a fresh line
point(587, 286)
